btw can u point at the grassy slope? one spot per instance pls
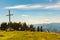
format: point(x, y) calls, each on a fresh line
point(28, 36)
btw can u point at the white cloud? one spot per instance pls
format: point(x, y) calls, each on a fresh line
point(55, 6)
point(24, 6)
point(24, 15)
point(42, 21)
point(30, 20)
point(35, 6)
point(58, 3)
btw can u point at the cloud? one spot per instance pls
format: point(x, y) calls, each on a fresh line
point(58, 3)
point(24, 6)
point(24, 15)
point(31, 20)
point(35, 6)
point(56, 6)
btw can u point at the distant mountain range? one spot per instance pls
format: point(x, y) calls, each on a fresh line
point(52, 27)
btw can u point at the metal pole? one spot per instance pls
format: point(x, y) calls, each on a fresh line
point(9, 17)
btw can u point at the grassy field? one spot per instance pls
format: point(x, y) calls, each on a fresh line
point(21, 35)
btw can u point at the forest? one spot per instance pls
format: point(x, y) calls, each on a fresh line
point(19, 27)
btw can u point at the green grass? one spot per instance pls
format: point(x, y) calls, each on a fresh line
point(21, 35)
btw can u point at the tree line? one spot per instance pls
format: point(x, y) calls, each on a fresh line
point(19, 27)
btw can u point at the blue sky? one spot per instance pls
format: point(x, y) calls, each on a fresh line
point(31, 11)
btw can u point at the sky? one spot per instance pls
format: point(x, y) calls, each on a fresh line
point(30, 11)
